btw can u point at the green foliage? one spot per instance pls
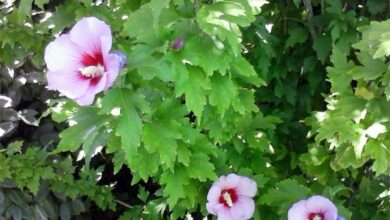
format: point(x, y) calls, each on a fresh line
point(356, 121)
point(287, 192)
point(39, 171)
point(293, 94)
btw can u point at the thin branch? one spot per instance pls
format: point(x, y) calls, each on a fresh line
point(309, 11)
point(388, 9)
point(295, 19)
point(123, 203)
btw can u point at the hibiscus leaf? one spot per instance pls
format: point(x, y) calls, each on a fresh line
point(223, 19)
point(377, 150)
point(200, 167)
point(183, 154)
point(146, 164)
point(174, 184)
point(162, 139)
point(129, 122)
point(195, 88)
point(87, 123)
point(223, 91)
point(243, 70)
point(285, 193)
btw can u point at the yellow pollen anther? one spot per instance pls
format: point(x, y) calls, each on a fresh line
point(228, 199)
point(92, 71)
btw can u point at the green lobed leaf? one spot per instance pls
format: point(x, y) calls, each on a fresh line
point(200, 167)
point(174, 183)
point(223, 19)
point(130, 123)
point(223, 91)
point(378, 151)
point(195, 87)
point(322, 45)
point(285, 193)
point(242, 69)
point(88, 123)
point(162, 138)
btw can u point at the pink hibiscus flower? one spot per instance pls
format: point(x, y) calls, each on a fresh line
point(230, 197)
point(314, 208)
point(80, 63)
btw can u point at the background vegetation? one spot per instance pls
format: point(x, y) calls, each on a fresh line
point(294, 94)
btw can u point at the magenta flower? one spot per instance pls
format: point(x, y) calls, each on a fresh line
point(230, 197)
point(80, 63)
point(314, 208)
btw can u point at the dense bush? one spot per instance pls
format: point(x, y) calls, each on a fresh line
point(293, 94)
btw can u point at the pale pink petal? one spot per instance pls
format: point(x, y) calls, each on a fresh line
point(100, 85)
point(225, 214)
point(89, 96)
point(246, 187)
point(88, 34)
point(112, 66)
point(214, 193)
point(230, 181)
point(298, 211)
point(106, 43)
point(70, 84)
point(214, 207)
point(62, 55)
point(86, 99)
point(243, 208)
point(331, 214)
point(210, 207)
point(320, 204)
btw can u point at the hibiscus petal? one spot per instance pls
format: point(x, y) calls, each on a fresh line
point(87, 34)
point(70, 84)
point(320, 204)
point(62, 55)
point(213, 207)
point(86, 99)
point(243, 208)
point(224, 214)
point(230, 181)
point(298, 211)
point(214, 193)
point(98, 87)
point(106, 43)
point(331, 215)
point(89, 96)
point(246, 187)
point(112, 65)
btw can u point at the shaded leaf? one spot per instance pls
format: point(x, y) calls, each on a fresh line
point(65, 211)
point(88, 123)
point(40, 213)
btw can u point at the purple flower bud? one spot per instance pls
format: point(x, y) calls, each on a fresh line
point(121, 58)
point(178, 43)
point(340, 218)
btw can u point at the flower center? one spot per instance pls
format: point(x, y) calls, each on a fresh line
point(93, 65)
point(316, 216)
point(228, 197)
point(92, 71)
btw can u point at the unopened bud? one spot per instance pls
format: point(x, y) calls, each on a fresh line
point(178, 43)
point(121, 57)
